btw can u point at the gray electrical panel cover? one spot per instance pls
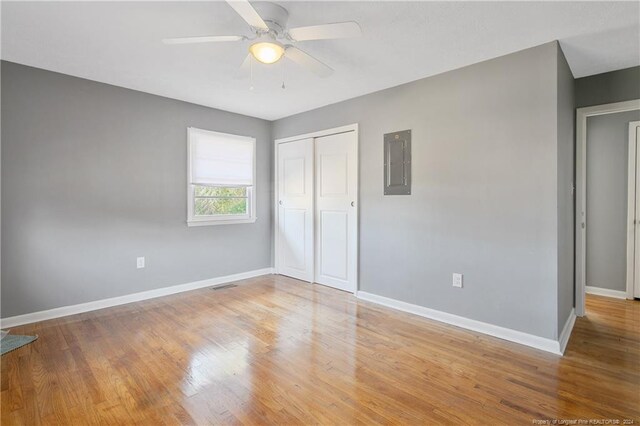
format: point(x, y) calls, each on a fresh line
point(397, 163)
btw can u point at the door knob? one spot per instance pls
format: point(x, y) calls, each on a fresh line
point(353, 204)
point(280, 202)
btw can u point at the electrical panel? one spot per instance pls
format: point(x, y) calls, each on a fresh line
point(397, 163)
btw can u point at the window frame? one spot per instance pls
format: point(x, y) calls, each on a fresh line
point(223, 219)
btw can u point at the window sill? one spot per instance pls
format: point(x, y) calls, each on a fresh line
point(210, 222)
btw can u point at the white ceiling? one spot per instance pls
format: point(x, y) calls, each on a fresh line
point(119, 43)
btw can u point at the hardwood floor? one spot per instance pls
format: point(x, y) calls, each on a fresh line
point(276, 350)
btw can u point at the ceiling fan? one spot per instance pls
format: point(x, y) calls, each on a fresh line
point(272, 40)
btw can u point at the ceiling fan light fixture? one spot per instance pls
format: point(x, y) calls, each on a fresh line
point(267, 52)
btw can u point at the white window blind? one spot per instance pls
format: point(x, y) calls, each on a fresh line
point(219, 159)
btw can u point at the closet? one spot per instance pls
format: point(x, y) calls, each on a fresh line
point(316, 207)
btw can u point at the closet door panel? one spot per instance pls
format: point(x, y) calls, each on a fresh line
point(295, 233)
point(335, 212)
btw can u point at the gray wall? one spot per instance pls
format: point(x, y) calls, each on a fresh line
point(607, 157)
point(95, 175)
point(566, 205)
point(615, 86)
point(484, 200)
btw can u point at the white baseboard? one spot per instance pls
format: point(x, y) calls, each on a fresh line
point(599, 291)
point(548, 345)
point(129, 298)
point(566, 331)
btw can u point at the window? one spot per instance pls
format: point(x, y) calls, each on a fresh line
point(221, 178)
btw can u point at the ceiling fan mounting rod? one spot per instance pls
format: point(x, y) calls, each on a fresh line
point(273, 15)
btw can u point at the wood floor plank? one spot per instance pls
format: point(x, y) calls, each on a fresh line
point(274, 350)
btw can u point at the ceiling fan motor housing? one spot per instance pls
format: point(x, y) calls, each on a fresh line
point(275, 16)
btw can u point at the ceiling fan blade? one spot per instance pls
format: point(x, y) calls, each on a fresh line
point(248, 13)
point(201, 39)
point(326, 31)
point(245, 69)
point(307, 61)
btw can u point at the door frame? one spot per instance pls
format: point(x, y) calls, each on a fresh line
point(631, 209)
point(581, 191)
point(313, 135)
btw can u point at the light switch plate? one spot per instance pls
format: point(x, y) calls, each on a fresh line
point(140, 262)
point(457, 280)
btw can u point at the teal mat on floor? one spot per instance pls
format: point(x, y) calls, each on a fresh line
point(12, 342)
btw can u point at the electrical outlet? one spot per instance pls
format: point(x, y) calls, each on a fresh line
point(140, 262)
point(457, 280)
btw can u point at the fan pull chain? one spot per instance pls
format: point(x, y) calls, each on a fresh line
point(283, 66)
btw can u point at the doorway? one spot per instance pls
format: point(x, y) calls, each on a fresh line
point(316, 220)
point(633, 213)
point(581, 220)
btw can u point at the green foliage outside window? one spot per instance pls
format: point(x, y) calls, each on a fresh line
point(218, 200)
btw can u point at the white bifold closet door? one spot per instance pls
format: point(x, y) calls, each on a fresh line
point(336, 219)
point(295, 209)
point(317, 234)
